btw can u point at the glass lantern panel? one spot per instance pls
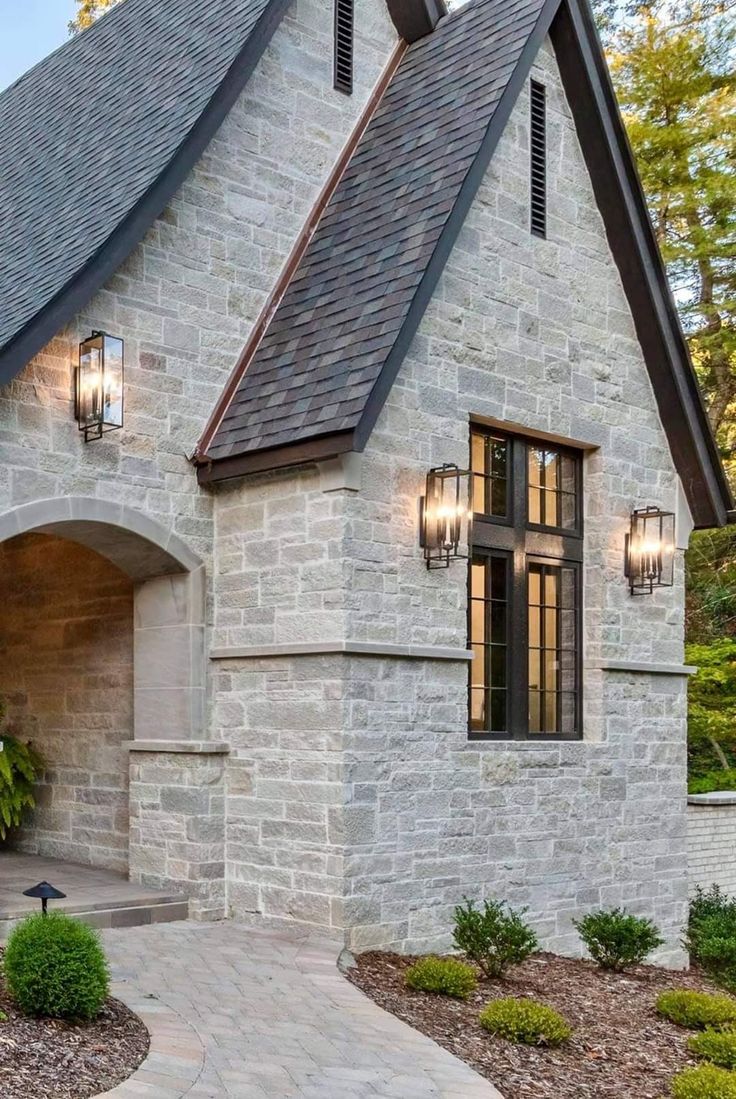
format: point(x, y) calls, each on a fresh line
point(113, 382)
point(89, 383)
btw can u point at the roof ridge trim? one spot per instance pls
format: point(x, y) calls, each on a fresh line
point(297, 253)
point(59, 310)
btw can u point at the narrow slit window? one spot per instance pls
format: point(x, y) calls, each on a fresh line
point(538, 149)
point(344, 18)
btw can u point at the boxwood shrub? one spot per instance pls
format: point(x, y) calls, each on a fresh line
point(525, 1021)
point(696, 1010)
point(617, 939)
point(704, 1082)
point(495, 937)
point(716, 1046)
point(448, 976)
point(54, 966)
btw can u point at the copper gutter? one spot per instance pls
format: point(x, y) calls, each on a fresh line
point(295, 257)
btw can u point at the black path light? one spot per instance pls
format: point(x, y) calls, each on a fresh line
point(650, 550)
point(446, 511)
point(99, 385)
point(45, 893)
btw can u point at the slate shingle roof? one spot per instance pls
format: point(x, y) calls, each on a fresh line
point(345, 306)
point(87, 131)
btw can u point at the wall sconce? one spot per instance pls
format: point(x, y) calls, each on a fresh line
point(445, 517)
point(650, 550)
point(99, 385)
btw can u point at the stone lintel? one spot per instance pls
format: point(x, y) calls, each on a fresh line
point(349, 648)
point(192, 747)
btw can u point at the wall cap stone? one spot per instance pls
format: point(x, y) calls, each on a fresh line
point(714, 798)
point(350, 648)
point(192, 747)
point(641, 668)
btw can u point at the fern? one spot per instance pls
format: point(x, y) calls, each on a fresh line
point(20, 768)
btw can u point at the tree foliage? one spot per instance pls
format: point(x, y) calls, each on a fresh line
point(87, 12)
point(674, 69)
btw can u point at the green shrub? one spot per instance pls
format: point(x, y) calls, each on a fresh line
point(712, 902)
point(718, 1046)
point(617, 939)
point(704, 1082)
point(525, 1021)
point(711, 934)
point(696, 1010)
point(448, 976)
point(712, 780)
point(20, 768)
point(494, 938)
point(54, 966)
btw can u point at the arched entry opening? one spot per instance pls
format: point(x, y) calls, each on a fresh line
point(102, 635)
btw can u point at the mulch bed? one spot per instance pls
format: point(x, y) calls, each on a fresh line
point(47, 1057)
point(620, 1049)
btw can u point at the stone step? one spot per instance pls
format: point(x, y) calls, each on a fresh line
point(130, 914)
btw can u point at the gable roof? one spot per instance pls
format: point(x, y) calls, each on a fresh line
point(96, 139)
point(328, 350)
point(339, 324)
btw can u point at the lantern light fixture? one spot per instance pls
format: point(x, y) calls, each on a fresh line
point(446, 515)
point(99, 385)
point(650, 550)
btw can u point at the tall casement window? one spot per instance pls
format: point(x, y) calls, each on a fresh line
point(343, 65)
point(538, 156)
point(524, 605)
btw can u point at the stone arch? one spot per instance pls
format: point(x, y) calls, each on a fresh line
point(169, 598)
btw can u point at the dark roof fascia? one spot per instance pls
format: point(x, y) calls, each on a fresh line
point(79, 290)
point(621, 201)
point(261, 461)
point(454, 224)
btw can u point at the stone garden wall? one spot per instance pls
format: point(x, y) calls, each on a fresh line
point(711, 840)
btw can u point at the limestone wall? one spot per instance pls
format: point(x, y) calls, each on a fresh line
point(66, 638)
point(536, 333)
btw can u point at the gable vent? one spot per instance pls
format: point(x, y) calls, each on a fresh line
point(344, 45)
point(538, 146)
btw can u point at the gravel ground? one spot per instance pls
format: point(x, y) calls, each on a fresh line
point(620, 1048)
point(47, 1057)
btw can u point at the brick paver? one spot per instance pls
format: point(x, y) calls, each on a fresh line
point(277, 1020)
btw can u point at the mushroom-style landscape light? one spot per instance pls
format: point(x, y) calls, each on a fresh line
point(650, 550)
point(445, 516)
point(45, 893)
point(99, 385)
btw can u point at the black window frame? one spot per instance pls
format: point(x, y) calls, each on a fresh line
point(523, 543)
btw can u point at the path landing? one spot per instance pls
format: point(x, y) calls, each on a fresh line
point(273, 1018)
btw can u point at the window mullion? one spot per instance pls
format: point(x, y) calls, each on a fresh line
point(519, 617)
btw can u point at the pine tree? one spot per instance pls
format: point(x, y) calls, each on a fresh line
point(674, 69)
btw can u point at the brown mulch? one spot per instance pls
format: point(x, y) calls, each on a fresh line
point(620, 1049)
point(47, 1057)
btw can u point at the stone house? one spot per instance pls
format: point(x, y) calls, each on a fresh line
point(344, 244)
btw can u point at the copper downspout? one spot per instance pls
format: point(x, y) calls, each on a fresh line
point(295, 256)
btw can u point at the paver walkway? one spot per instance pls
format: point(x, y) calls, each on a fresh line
point(277, 1020)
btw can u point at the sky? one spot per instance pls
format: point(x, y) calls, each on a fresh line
point(29, 29)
